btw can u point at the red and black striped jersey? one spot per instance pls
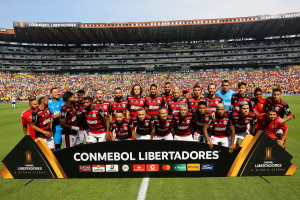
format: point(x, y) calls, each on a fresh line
point(123, 131)
point(281, 107)
point(69, 115)
point(96, 120)
point(104, 106)
point(114, 106)
point(199, 121)
point(212, 103)
point(79, 107)
point(143, 127)
point(162, 128)
point(182, 126)
point(193, 103)
point(241, 123)
point(220, 125)
point(167, 97)
point(236, 100)
point(134, 104)
point(152, 104)
point(174, 106)
point(42, 119)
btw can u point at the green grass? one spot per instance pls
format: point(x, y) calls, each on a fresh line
point(285, 187)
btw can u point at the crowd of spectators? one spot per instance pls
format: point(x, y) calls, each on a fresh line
point(22, 85)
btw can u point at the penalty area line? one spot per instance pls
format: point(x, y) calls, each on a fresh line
point(143, 189)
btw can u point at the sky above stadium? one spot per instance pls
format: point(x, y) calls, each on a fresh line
point(136, 10)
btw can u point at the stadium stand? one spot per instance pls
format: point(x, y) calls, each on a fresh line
point(260, 49)
point(24, 84)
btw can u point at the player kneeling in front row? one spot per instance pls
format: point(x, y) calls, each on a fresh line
point(97, 121)
point(122, 128)
point(143, 124)
point(40, 122)
point(219, 127)
point(162, 124)
point(182, 122)
point(270, 124)
point(244, 121)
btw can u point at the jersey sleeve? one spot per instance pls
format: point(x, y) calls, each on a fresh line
point(34, 118)
point(254, 121)
point(111, 127)
point(209, 122)
point(131, 125)
point(102, 114)
point(230, 123)
point(63, 114)
point(252, 103)
point(286, 110)
point(24, 121)
point(283, 126)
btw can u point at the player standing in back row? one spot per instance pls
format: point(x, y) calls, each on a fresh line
point(135, 101)
point(153, 101)
point(226, 94)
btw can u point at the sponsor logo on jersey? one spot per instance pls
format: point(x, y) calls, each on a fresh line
point(193, 167)
point(98, 168)
point(179, 167)
point(112, 168)
point(126, 168)
point(138, 167)
point(207, 167)
point(152, 167)
point(85, 168)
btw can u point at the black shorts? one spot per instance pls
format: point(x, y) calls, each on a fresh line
point(13, 102)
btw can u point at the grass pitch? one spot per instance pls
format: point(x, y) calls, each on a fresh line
point(284, 187)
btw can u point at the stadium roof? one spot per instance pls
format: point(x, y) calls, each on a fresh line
point(256, 27)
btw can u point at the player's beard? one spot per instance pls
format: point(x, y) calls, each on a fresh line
point(87, 108)
point(73, 102)
point(118, 98)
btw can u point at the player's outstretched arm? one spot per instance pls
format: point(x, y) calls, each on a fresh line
point(133, 135)
point(232, 134)
point(281, 142)
point(280, 120)
point(152, 133)
point(205, 132)
point(25, 129)
point(252, 130)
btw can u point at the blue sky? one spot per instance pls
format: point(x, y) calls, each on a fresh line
point(136, 10)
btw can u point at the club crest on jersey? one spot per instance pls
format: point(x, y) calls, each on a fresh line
point(94, 115)
point(167, 124)
point(216, 102)
point(146, 124)
point(188, 121)
point(141, 102)
point(246, 121)
point(124, 105)
point(158, 101)
point(276, 108)
point(225, 122)
point(125, 128)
